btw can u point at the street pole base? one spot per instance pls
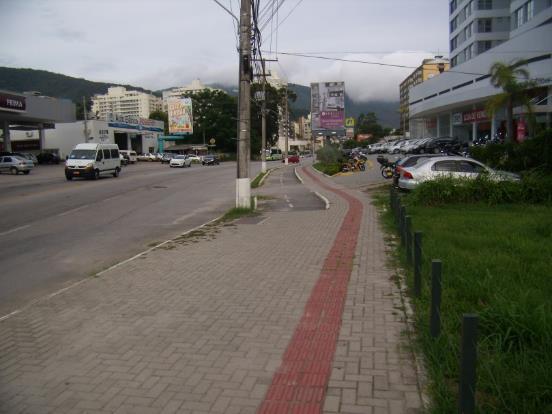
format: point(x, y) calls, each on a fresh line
point(263, 167)
point(243, 193)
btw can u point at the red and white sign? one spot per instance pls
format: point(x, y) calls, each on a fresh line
point(474, 116)
point(521, 130)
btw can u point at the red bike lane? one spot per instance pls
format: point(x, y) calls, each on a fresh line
point(299, 384)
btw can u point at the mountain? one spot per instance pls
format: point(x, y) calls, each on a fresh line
point(53, 84)
point(61, 86)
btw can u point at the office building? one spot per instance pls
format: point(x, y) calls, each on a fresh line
point(121, 104)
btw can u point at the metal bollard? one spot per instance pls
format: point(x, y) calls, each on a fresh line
point(417, 264)
point(402, 222)
point(468, 360)
point(435, 311)
point(408, 239)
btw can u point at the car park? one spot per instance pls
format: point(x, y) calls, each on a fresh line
point(14, 164)
point(449, 166)
point(437, 145)
point(26, 155)
point(210, 160)
point(180, 161)
point(93, 160)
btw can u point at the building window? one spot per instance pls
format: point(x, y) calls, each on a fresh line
point(485, 4)
point(453, 6)
point(484, 46)
point(485, 25)
point(453, 43)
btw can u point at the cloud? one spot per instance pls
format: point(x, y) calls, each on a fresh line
point(363, 81)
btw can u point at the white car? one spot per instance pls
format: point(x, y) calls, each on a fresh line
point(194, 158)
point(180, 161)
point(455, 167)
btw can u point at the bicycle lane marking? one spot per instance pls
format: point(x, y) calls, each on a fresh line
point(299, 384)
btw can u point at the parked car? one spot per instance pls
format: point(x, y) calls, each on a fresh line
point(15, 164)
point(130, 155)
point(147, 157)
point(124, 161)
point(48, 158)
point(407, 162)
point(210, 160)
point(180, 161)
point(195, 158)
point(437, 145)
point(26, 155)
point(293, 159)
point(447, 166)
point(167, 157)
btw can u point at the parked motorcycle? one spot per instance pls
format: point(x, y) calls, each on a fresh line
point(387, 168)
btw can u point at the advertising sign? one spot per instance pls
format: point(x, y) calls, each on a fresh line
point(12, 103)
point(350, 122)
point(180, 115)
point(328, 105)
point(474, 116)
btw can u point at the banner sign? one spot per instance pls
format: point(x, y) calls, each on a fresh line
point(350, 122)
point(328, 105)
point(474, 116)
point(12, 103)
point(180, 115)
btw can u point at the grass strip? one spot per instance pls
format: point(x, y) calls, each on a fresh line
point(496, 263)
point(257, 181)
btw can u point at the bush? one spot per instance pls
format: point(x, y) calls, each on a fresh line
point(329, 169)
point(329, 154)
point(532, 154)
point(532, 189)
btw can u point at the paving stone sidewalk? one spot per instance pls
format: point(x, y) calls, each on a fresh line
point(201, 325)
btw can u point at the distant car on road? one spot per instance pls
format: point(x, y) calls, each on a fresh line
point(180, 161)
point(130, 155)
point(167, 157)
point(210, 160)
point(293, 159)
point(194, 158)
point(14, 164)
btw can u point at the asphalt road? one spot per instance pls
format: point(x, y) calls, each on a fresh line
point(54, 232)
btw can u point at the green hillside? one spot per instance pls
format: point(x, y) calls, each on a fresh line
point(53, 84)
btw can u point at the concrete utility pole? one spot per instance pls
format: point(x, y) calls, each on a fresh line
point(243, 186)
point(286, 125)
point(263, 123)
point(85, 132)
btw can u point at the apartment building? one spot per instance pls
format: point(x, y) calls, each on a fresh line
point(428, 69)
point(483, 32)
point(119, 103)
point(194, 87)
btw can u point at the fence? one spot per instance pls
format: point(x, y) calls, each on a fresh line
point(412, 242)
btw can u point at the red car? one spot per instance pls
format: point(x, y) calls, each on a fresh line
point(293, 159)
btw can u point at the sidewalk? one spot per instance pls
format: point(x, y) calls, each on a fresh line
point(224, 320)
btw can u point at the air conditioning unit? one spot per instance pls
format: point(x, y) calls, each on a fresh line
point(29, 134)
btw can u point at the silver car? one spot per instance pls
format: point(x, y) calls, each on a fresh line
point(456, 167)
point(14, 164)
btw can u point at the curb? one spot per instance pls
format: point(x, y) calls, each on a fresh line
point(266, 175)
point(320, 196)
point(297, 175)
point(87, 278)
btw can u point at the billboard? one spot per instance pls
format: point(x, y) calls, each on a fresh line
point(180, 115)
point(328, 105)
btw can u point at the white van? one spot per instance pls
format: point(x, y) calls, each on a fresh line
point(130, 155)
point(93, 160)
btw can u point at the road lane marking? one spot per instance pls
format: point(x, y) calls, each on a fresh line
point(15, 229)
point(72, 210)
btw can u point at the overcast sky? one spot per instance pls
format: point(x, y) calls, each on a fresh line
point(163, 43)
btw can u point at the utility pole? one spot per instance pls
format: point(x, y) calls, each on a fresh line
point(243, 186)
point(263, 123)
point(286, 124)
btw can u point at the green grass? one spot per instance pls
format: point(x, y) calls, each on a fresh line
point(496, 263)
point(329, 169)
point(236, 213)
point(257, 181)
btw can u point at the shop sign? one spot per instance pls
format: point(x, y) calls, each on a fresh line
point(12, 103)
point(457, 118)
point(474, 116)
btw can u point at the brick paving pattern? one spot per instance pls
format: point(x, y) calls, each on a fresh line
point(202, 326)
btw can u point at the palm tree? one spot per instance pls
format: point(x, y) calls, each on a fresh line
point(513, 93)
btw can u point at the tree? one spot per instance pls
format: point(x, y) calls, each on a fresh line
point(275, 99)
point(214, 115)
point(513, 92)
point(368, 124)
point(161, 116)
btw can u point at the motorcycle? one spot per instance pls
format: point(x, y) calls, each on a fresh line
point(387, 168)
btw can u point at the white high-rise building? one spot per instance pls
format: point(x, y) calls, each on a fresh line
point(194, 87)
point(123, 104)
point(482, 33)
